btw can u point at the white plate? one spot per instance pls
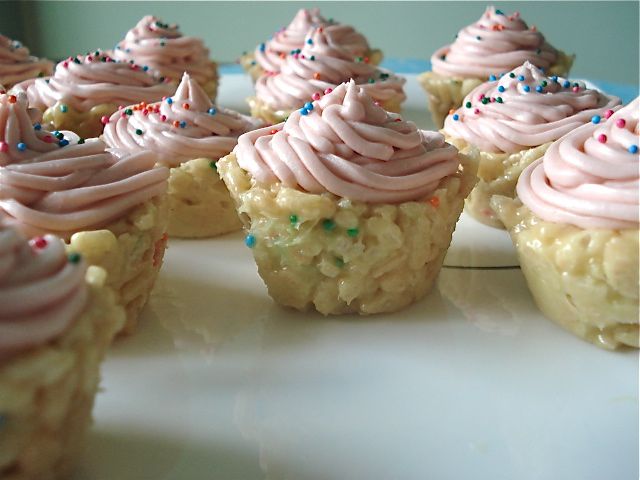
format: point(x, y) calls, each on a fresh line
point(470, 383)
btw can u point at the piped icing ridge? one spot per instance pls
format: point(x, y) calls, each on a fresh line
point(271, 55)
point(347, 145)
point(42, 291)
point(589, 178)
point(54, 182)
point(94, 79)
point(319, 65)
point(524, 109)
point(163, 48)
point(17, 64)
point(180, 128)
point(496, 43)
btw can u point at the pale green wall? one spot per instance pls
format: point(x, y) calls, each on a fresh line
point(604, 35)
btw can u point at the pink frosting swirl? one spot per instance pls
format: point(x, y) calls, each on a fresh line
point(589, 178)
point(502, 116)
point(93, 79)
point(322, 64)
point(349, 146)
point(16, 64)
point(271, 55)
point(180, 128)
point(41, 292)
point(494, 44)
point(164, 49)
point(53, 184)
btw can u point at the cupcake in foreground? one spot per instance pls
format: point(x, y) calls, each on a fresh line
point(86, 89)
point(109, 205)
point(269, 56)
point(512, 121)
point(317, 68)
point(348, 208)
point(56, 322)
point(189, 135)
point(17, 64)
point(495, 44)
point(576, 229)
point(167, 52)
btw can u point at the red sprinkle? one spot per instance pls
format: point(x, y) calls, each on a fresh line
point(163, 118)
point(621, 122)
point(608, 113)
point(328, 91)
point(4, 147)
point(40, 242)
point(602, 138)
point(575, 89)
point(12, 99)
point(274, 131)
point(104, 120)
point(316, 96)
point(186, 106)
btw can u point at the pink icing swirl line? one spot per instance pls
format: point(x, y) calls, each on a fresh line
point(165, 50)
point(16, 64)
point(322, 64)
point(589, 178)
point(501, 116)
point(271, 55)
point(48, 187)
point(494, 44)
point(94, 79)
point(202, 129)
point(350, 147)
point(41, 292)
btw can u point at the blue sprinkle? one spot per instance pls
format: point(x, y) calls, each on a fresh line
point(499, 12)
point(145, 68)
point(539, 89)
point(492, 78)
point(183, 124)
point(501, 89)
point(566, 84)
point(595, 119)
point(212, 111)
point(456, 117)
point(526, 88)
point(521, 78)
point(554, 79)
point(169, 100)
point(308, 106)
point(478, 37)
point(262, 47)
point(64, 108)
point(298, 50)
point(633, 149)
point(22, 147)
point(304, 111)
point(37, 126)
point(309, 41)
point(63, 142)
point(250, 241)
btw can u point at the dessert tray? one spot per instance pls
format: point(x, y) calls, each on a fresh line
point(470, 383)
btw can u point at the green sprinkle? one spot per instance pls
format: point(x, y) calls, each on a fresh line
point(468, 104)
point(74, 257)
point(339, 262)
point(544, 83)
point(64, 108)
point(128, 111)
point(138, 131)
point(499, 99)
point(328, 224)
point(512, 75)
point(80, 141)
point(213, 165)
point(371, 80)
point(293, 219)
point(352, 232)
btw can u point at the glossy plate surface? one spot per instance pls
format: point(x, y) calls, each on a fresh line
point(470, 383)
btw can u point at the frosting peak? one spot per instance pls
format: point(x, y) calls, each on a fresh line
point(590, 177)
point(17, 64)
point(347, 145)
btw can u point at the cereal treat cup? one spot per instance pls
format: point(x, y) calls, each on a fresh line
point(162, 48)
point(576, 230)
point(189, 134)
point(110, 205)
point(269, 56)
point(56, 322)
point(491, 119)
point(348, 208)
point(86, 89)
point(319, 67)
point(17, 64)
point(495, 44)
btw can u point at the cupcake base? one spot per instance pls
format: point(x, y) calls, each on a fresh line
point(46, 394)
point(199, 202)
point(339, 256)
point(586, 281)
point(85, 124)
point(131, 251)
point(498, 174)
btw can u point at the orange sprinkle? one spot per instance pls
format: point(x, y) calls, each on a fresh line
point(274, 131)
point(452, 111)
point(12, 99)
point(366, 59)
point(176, 123)
point(186, 106)
point(316, 76)
point(435, 201)
point(282, 55)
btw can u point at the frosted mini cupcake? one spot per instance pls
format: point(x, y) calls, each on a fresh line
point(576, 229)
point(164, 49)
point(111, 206)
point(17, 64)
point(85, 89)
point(271, 55)
point(495, 44)
point(319, 67)
point(56, 322)
point(188, 134)
point(512, 121)
point(348, 208)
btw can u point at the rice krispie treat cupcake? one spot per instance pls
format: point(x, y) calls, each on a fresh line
point(56, 322)
point(348, 208)
point(269, 56)
point(162, 47)
point(17, 64)
point(110, 206)
point(189, 135)
point(86, 89)
point(319, 67)
point(495, 44)
point(512, 121)
point(576, 229)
